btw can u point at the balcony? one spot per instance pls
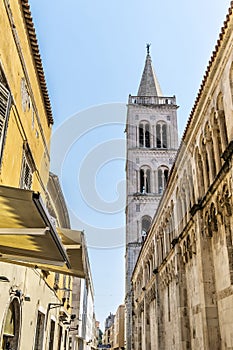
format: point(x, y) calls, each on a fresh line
point(152, 100)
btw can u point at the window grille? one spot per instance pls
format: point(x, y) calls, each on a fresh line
point(26, 177)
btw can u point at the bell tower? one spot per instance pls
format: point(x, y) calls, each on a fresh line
point(152, 143)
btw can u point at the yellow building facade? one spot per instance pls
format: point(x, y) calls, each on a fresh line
point(26, 125)
point(37, 261)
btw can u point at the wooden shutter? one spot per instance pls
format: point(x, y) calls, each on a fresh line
point(5, 101)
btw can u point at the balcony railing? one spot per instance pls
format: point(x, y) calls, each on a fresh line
point(152, 100)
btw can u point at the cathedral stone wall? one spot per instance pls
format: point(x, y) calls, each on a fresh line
point(182, 284)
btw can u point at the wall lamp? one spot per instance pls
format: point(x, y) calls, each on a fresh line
point(174, 241)
point(56, 287)
point(4, 279)
point(72, 318)
point(55, 305)
point(19, 294)
point(16, 292)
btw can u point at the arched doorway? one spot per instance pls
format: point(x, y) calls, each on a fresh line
point(11, 331)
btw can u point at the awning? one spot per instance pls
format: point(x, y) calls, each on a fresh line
point(76, 252)
point(74, 244)
point(28, 237)
point(27, 234)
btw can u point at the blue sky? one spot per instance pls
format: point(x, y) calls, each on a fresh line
point(93, 54)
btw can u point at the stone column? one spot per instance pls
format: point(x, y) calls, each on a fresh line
point(145, 182)
point(211, 330)
point(152, 183)
point(147, 323)
point(151, 136)
point(182, 300)
point(137, 180)
point(138, 231)
point(154, 136)
point(169, 137)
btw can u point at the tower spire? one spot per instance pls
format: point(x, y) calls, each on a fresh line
point(149, 85)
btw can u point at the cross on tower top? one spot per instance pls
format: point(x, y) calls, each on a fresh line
point(148, 48)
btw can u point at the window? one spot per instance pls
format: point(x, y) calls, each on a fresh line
point(11, 330)
point(158, 136)
point(161, 135)
point(144, 135)
point(51, 336)
point(59, 337)
point(65, 340)
point(28, 167)
point(56, 278)
point(145, 181)
point(26, 174)
point(164, 136)
point(5, 101)
point(147, 136)
point(146, 222)
point(162, 179)
point(141, 136)
point(39, 331)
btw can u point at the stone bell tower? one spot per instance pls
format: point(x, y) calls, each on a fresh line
point(152, 143)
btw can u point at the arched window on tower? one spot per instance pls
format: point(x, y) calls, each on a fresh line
point(141, 143)
point(147, 136)
point(144, 134)
point(146, 222)
point(145, 180)
point(162, 178)
point(161, 135)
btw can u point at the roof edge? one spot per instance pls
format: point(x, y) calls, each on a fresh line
point(37, 57)
point(209, 66)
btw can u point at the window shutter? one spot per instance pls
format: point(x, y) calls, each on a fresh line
point(5, 101)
